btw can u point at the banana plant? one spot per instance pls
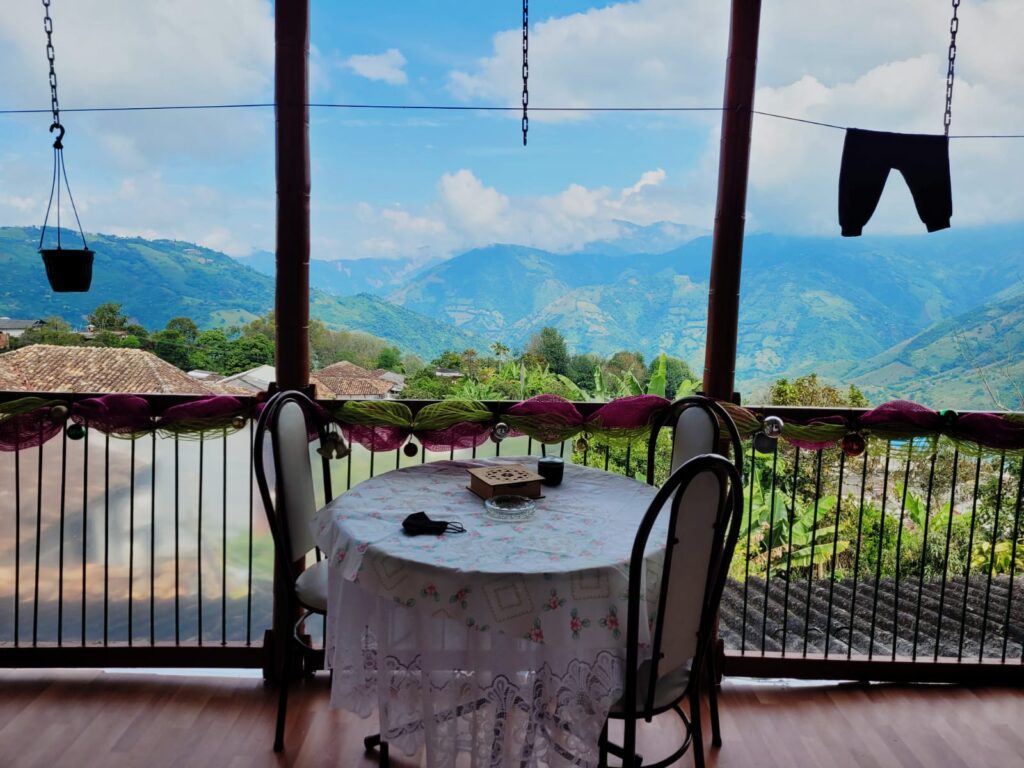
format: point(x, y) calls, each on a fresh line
point(786, 538)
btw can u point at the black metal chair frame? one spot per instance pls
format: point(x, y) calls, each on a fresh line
point(277, 518)
point(670, 417)
point(726, 531)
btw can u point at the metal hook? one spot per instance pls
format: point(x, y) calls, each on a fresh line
point(58, 143)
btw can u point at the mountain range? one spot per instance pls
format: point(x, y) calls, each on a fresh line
point(938, 318)
point(155, 280)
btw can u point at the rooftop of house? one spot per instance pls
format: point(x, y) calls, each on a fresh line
point(48, 368)
point(256, 379)
point(330, 387)
point(10, 324)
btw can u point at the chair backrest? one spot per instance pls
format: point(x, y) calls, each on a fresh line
point(697, 424)
point(704, 500)
point(284, 472)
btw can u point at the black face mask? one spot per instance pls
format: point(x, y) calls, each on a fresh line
point(418, 524)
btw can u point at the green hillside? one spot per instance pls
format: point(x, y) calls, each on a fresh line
point(975, 359)
point(807, 304)
point(155, 280)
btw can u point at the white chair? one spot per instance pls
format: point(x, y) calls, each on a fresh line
point(287, 425)
point(698, 425)
point(704, 499)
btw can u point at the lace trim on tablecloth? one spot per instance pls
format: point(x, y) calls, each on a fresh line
point(528, 719)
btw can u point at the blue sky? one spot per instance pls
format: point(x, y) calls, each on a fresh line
point(419, 184)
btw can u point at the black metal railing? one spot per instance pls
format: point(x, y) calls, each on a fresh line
point(901, 563)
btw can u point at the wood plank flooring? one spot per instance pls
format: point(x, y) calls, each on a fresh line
point(84, 718)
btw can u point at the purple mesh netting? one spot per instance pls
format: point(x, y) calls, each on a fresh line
point(815, 445)
point(27, 430)
point(627, 413)
point(465, 435)
point(548, 418)
point(902, 414)
point(197, 414)
point(989, 430)
point(114, 414)
point(375, 438)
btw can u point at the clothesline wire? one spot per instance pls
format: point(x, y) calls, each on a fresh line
point(467, 108)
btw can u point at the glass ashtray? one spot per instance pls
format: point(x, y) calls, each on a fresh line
point(509, 509)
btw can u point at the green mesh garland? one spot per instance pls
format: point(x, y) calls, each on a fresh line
point(373, 413)
point(448, 413)
point(25, 405)
point(195, 429)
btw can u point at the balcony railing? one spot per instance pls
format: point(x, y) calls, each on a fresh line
point(900, 563)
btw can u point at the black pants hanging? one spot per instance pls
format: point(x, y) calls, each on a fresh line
point(868, 156)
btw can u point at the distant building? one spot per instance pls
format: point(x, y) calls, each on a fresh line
point(12, 328)
point(448, 373)
point(99, 370)
point(344, 380)
point(254, 380)
point(210, 377)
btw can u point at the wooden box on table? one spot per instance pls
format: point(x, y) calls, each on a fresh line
point(505, 479)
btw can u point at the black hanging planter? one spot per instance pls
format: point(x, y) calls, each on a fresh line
point(68, 269)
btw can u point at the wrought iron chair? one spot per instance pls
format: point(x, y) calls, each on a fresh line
point(697, 425)
point(288, 422)
point(704, 500)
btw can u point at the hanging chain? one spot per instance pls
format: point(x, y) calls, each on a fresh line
point(54, 104)
point(954, 27)
point(525, 68)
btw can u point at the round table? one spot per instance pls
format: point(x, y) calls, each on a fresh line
point(506, 641)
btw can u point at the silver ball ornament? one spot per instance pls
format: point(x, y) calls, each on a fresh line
point(500, 432)
point(773, 427)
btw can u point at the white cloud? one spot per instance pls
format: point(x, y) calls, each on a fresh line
point(123, 52)
point(873, 64)
point(387, 66)
point(469, 213)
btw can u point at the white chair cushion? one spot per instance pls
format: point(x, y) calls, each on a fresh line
point(667, 691)
point(311, 586)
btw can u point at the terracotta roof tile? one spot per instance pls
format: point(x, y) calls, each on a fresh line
point(346, 369)
point(47, 368)
point(350, 386)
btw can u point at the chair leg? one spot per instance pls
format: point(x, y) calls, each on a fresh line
point(602, 747)
point(282, 700)
point(695, 727)
point(376, 741)
point(716, 731)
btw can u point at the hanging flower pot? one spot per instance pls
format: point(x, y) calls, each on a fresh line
point(68, 269)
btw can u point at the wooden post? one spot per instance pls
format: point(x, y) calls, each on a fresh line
point(291, 304)
point(730, 210)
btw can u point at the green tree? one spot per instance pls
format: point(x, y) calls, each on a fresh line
point(680, 380)
point(211, 352)
point(581, 370)
point(184, 327)
point(549, 345)
point(447, 359)
point(809, 391)
point(247, 352)
point(54, 330)
point(170, 346)
point(624, 373)
point(390, 358)
point(500, 351)
point(108, 317)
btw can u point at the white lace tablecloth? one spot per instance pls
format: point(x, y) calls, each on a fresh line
point(506, 641)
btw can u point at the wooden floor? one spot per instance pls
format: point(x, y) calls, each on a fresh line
point(86, 718)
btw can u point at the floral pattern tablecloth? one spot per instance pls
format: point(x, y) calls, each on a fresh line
point(559, 578)
point(524, 618)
